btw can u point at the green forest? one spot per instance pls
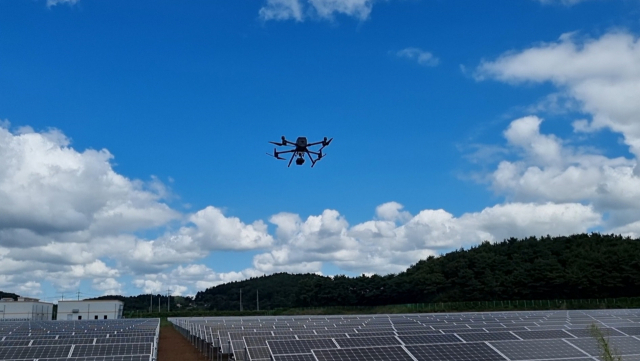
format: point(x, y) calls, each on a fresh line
point(583, 266)
point(578, 266)
point(9, 295)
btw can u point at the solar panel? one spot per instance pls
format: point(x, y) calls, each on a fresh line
point(62, 341)
point(286, 347)
point(488, 336)
point(300, 357)
point(139, 339)
point(455, 352)
point(33, 352)
point(537, 349)
point(256, 353)
point(367, 341)
point(101, 358)
point(325, 335)
point(462, 330)
point(546, 334)
point(388, 353)
point(625, 345)
point(260, 341)
point(112, 350)
point(428, 339)
point(15, 343)
point(631, 331)
point(422, 332)
point(587, 333)
point(372, 334)
point(540, 335)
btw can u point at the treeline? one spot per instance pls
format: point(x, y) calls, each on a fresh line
point(9, 295)
point(578, 266)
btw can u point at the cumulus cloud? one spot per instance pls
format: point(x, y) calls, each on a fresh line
point(599, 78)
point(299, 10)
point(420, 56)
point(384, 246)
point(63, 212)
point(602, 75)
point(196, 276)
point(108, 286)
point(48, 187)
point(555, 172)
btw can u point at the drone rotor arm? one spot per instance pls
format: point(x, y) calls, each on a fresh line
point(291, 160)
point(313, 161)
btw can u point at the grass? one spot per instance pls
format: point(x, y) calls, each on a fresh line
point(607, 352)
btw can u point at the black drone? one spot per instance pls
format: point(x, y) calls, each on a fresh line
point(301, 148)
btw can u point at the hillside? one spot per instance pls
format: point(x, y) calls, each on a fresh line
point(8, 295)
point(579, 266)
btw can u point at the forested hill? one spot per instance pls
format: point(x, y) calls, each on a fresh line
point(8, 295)
point(579, 266)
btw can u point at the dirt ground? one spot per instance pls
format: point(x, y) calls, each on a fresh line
point(172, 346)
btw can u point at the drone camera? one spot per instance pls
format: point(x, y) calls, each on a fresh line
point(300, 161)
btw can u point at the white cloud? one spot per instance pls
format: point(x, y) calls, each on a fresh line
point(382, 246)
point(601, 75)
point(47, 187)
point(299, 10)
point(51, 3)
point(282, 10)
point(29, 288)
point(108, 286)
point(551, 171)
point(62, 212)
point(184, 280)
point(392, 211)
point(215, 231)
point(422, 57)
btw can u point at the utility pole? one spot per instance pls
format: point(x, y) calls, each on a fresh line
point(241, 299)
point(168, 299)
point(257, 300)
point(159, 297)
point(78, 295)
point(151, 304)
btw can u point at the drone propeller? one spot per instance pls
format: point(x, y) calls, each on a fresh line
point(320, 156)
point(283, 142)
point(275, 155)
point(325, 142)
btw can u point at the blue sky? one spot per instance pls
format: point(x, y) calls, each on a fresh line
point(135, 133)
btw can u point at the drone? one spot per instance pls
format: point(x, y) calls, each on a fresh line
point(301, 148)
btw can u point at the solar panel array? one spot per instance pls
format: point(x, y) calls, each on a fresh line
point(102, 340)
point(487, 336)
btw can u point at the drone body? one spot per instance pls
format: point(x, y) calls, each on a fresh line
point(301, 148)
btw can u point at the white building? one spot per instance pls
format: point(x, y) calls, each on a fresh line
point(90, 310)
point(25, 309)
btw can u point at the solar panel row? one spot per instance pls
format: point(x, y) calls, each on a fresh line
point(105, 340)
point(510, 336)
